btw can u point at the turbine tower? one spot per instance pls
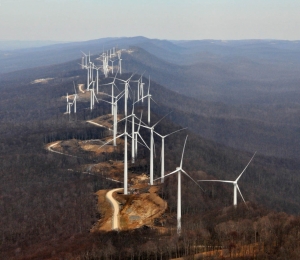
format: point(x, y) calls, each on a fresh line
point(120, 62)
point(125, 134)
point(235, 184)
point(75, 98)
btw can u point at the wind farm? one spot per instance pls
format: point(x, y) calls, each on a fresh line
point(103, 141)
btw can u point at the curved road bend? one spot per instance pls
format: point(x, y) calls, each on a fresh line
point(53, 151)
point(115, 205)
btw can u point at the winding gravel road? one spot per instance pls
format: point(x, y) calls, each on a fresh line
point(115, 205)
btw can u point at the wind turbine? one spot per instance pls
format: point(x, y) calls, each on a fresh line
point(115, 113)
point(152, 146)
point(162, 172)
point(149, 96)
point(235, 184)
point(139, 81)
point(75, 98)
point(112, 66)
point(82, 62)
point(85, 59)
point(112, 91)
point(135, 134)
point(179, 170)
point(69, 104)
point(88, 71)
point(126, 82)
point(92, 96)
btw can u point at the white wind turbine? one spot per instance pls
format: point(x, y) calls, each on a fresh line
point(92, 96)
point(69, 104)
point(88, 71)
point(235, 184)
point(139, 81)
point(152, 146)
point(113, 84)
point(179, 170)
point(112, 66)
point(162, 169)
point(75, 98)
point(115, 114)
point(149, 96)
point(105, 64)
point(82, 62)
point(126, 88)
point(85, 60)
point(135, 140)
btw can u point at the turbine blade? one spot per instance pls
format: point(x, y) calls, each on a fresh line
point(167, 174)
point(116, 75)
point(111, 140)
point(143, 141)
point(183, 152)
point(95, 96)
point(158, 134)
point(175, 131)
point(154, 148)
point(218, 181)
point(107, 84)
point(154, 101)
point(191, 179)
point(140, 122)
point(116, 87)
point(245, 167)
point(241, 194)
point(105, 101)
point(161, 119)
point(74, 87)
point(120, 96)
point(149, 86)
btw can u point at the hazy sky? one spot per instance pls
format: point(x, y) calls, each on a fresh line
point(79, 20)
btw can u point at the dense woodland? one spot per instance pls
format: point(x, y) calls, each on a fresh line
point(47, 201)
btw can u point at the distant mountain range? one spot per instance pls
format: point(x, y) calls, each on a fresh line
point(243, 94)
point(17, 45)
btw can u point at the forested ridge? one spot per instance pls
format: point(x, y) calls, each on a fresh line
point(48, 204)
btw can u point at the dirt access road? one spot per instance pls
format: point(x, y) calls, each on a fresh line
point(115, 204)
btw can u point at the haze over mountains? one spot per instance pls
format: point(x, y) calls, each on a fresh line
point(243, 94)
